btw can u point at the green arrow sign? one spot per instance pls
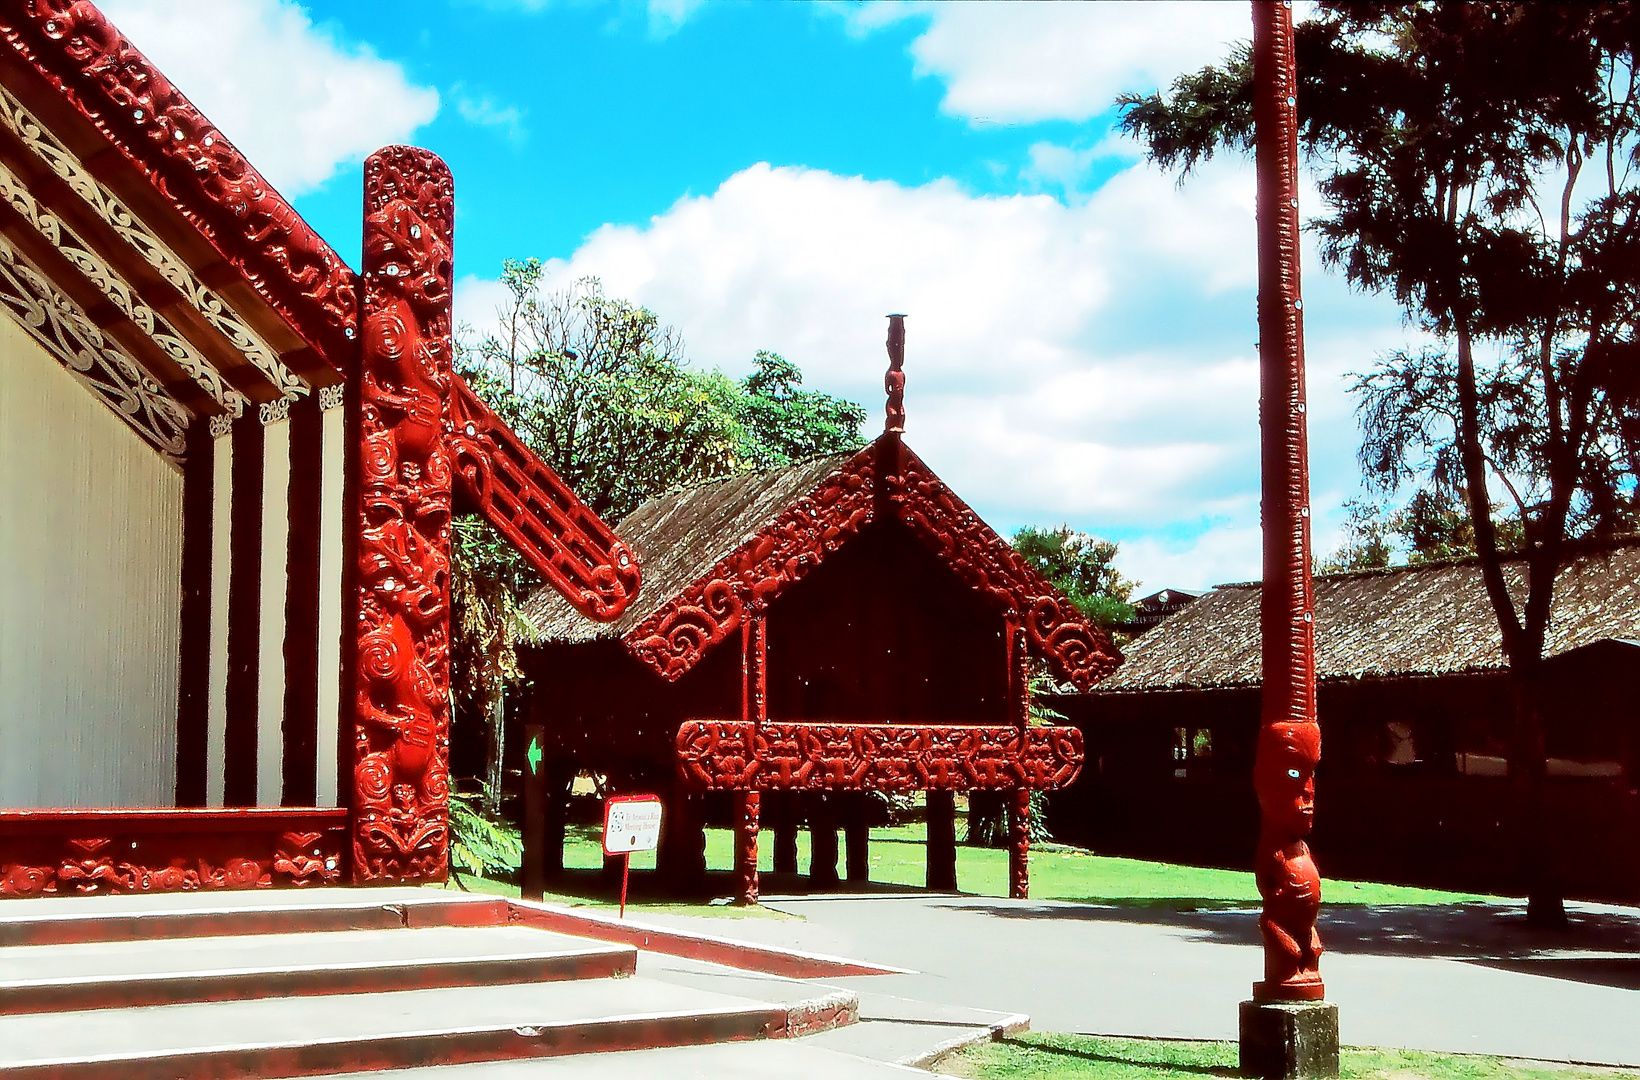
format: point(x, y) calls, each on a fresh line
point(533, 756)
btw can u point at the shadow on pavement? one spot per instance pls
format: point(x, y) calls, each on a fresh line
point(1600, 947)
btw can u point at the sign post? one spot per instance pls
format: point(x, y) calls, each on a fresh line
point(631, 823)
point(534, 885)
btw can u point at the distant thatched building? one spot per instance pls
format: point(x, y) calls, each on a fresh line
point(1415, 713)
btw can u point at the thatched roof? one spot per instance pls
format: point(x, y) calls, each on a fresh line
point(680, 536)
point(1408, 621)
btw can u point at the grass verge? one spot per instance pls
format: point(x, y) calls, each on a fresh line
point(1052, 1056)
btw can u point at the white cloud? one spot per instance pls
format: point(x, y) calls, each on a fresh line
point(1092, 364)
point(1032, 61)
point(666, 17)
point(484, 111)
point(296, 100)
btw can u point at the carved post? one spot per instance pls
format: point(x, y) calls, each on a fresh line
point(1019, 843)
point(401, 669)
point(746, 807)
point(754, 699)
point(857, 837)
point(1019, 799)
point(823, 841)
point(536, 795)
point(1289, 743)
point(941, 815)
point(785, 833)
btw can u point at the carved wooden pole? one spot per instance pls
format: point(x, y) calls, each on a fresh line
point(1019, 801)
point(1289, 743)
point(401, 668)
point(754, 701)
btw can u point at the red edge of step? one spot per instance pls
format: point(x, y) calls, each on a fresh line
point(458, 1047)
point(736, 954)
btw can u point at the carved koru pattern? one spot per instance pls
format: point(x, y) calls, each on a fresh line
point(528, 504)
point(1080, 652)
point(65, 331)
point(732, 755)
point(402, 688)
point(138, 859)
point(76, 48)
point(130, 228)
point(674, 638)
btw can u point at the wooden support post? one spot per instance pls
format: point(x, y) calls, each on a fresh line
point(823, 842)
point(858, 836)
point(785, 833)
point(560, 778)
point(533, 886)
point(942, 841)
point(746, 810)
point(1019, 843)
point(682, 858)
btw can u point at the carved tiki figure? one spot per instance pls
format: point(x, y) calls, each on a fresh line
point(1286, 874)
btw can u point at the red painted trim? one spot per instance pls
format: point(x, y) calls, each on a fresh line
point(76, 852)
point(559, 535)
point(884, 474)
point(244, 612)
point(194, 661)
point(401, 690)
point(735, 954)
point(191, 166)
point(727, 755)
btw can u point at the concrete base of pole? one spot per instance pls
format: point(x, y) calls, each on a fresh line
point(1286, 1040)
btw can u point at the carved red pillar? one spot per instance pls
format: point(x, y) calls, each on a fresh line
point(401, 663)
point(1019, 843)
point(1289, 744)
point(1019, 799)
point(754, 696)
point(746, 810)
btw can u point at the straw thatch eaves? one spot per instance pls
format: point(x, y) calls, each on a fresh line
point(679, 537)
point(1405, 622)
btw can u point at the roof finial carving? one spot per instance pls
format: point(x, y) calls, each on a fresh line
point(894, 381)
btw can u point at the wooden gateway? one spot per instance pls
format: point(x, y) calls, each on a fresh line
point(227, 468)
point(841, 626)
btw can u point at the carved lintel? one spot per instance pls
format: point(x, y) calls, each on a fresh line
point(732, 755)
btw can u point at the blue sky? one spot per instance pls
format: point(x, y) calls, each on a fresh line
point(780, 175)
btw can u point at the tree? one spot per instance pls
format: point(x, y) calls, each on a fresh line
point(1431, 528)
point(1079, 566)
point(1476, 161)
point(603, 392)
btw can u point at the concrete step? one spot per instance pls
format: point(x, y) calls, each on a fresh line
point(109, 974)
point(56, 920)
point(305, 1036)
point(779, 1059)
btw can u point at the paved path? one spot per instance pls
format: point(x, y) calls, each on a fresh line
point(1467, 978)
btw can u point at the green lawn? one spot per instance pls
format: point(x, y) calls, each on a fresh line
point(1050, 1056)
point(897, 859)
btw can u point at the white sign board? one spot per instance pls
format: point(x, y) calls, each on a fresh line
point(632, 823)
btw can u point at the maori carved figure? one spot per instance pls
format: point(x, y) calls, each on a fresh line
point(1287, 878)
point(401, 760)
point(894, 380)
point(53, 862)
point(1289, 743)
point(725, 755)
point(988, 565)
point(679, 634)
point(746, 830)
point(1019, 843)
point(76, 48)
point(535, 510)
